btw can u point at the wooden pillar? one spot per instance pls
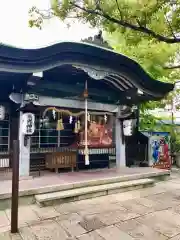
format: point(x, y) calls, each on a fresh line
point(13, 128)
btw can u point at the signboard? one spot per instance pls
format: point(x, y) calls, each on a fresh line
point(99, 135)
point(160, 151)
point(30, 97)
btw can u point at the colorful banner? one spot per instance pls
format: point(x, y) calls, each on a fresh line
point(99, 135)
point(160, 151)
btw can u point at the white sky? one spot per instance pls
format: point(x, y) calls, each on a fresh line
point(14, 29)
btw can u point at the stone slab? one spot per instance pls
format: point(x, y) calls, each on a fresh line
point(112, 232)
point(48, 230)
point(71, 217)
point(73, 228)
point(140, 231)
point(113, 217)
point(133, 206)
point(161, 222)
point(26, 216)
point(27, 234)
point(9, 236)
point(176, 237)
point(90, 236)
point(91, 223)
point(4, 220)
point(45, 213)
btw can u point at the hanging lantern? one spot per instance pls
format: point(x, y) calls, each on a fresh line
point(2, 112)
point(127, 127)
point(28, 123)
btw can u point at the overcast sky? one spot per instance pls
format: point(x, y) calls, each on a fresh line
point(15, 31)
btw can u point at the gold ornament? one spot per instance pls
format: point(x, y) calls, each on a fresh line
point(60, 125)
point(76, 127)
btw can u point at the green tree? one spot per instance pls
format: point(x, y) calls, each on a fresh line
point(144, 30)
point(159, 19)
point(153, 56)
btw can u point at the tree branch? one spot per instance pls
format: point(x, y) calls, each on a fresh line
point(129, 25)
point(170, 27)
point(119, 9)
point(172, 67)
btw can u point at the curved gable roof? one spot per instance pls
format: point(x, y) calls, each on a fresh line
point(27, 61)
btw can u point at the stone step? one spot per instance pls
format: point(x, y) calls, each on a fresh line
point(81, 193)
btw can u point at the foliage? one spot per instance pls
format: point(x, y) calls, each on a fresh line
point(175, 136)
point(139, 17)
point(175, 141)
point(150, 54)
point(153, 57)
point(139, 29)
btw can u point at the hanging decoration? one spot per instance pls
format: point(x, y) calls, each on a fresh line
point(105, 118)
point(70, 119)
point(69, 113)
point(88, 117)
point(76, 127)
point(60, 125)
point(62, 111)
point(54, 114)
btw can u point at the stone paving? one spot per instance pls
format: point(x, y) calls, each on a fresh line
point(149, 214)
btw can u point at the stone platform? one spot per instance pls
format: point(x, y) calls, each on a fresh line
point(51, 182)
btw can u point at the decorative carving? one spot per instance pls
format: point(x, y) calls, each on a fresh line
point(93, 73)
point(126, 111)
point(97, 40)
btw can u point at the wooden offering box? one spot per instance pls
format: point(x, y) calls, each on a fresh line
point(58, 160)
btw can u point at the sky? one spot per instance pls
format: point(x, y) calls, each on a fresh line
point(15, 31)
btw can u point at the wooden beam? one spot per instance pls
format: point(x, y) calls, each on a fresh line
point(66, 103)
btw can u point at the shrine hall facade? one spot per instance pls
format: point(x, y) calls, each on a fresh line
point(80, 95)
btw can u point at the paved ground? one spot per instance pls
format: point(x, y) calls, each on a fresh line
point(149, 214)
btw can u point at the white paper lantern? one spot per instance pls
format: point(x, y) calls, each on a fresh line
point(127, 127)
point(28, 123)
point(2, 112)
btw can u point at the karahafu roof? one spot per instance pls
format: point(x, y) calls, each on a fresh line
point(112, 78)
